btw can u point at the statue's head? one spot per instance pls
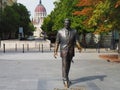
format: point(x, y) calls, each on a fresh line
point(67, 23)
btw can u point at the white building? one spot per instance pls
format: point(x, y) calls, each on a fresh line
point(40, 14)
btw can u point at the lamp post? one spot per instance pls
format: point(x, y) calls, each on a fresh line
point(119, 47)
point(0, 19)
point(1, 8)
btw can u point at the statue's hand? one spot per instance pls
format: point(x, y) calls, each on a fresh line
point(55, 55)
point(79, 47)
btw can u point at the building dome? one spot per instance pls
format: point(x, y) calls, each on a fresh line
point(40, 8)
point(40, 14)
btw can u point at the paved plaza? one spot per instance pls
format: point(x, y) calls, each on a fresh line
point(41, 71)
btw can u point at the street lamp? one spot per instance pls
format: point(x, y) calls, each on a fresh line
point(0, 19)
point(0, 11)
point(119, 46)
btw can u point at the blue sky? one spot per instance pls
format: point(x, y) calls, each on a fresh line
point(31, 4)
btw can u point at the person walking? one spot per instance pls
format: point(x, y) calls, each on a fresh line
point(67, 38)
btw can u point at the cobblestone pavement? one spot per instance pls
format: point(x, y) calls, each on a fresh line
point(41, 71)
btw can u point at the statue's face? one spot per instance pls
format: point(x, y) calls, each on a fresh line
point(67, 24)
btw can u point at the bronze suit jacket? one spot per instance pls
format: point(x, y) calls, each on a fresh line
point(67, 42)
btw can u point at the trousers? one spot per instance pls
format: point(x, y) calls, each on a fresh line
point(66, 63)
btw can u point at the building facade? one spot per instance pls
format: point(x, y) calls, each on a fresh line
point(4, 3)
point(39, 15)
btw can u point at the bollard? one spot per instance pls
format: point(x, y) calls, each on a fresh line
point(4, 48)
point(42, 48)
point(39, 47)
point(15, 47)
point(23, 48)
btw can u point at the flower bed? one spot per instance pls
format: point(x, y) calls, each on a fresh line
point(110, 57)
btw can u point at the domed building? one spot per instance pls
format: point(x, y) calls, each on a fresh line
point(40, 14)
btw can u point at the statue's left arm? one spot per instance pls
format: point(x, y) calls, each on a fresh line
point(79, 46)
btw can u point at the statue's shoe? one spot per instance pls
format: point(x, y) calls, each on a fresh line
point(67, 84)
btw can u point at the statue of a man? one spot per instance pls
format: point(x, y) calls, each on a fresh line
point(67, 38)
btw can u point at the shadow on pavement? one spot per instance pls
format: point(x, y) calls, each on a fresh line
point(89, 78)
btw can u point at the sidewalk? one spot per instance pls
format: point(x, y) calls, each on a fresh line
point(41, 71)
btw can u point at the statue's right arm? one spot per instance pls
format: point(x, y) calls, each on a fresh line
point(56, 50)
point(56, 45)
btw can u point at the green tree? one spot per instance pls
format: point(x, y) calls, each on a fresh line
point(9, 22)
point(48, 23)
point(13, 17)
point(101, 16)
point(24, 17)
point(31, 29)
point(47, 27)
point(63, 9)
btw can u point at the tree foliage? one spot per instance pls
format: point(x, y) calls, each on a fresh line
point(63, 9)
point(24, 17)
point(87, 7)
point(13, 17)
point(47, 26)
point(103, 15)
point(10, 19)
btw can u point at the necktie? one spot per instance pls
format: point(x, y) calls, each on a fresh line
point(67, 32)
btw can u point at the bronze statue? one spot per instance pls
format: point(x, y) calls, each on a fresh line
point(66, 38)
